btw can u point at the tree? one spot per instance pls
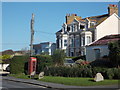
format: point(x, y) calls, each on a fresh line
point(4, 58)
point(114, 53)
point(58, 57)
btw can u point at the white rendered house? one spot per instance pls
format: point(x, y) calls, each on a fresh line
point(108, 26)
point(44, 48)
point(99, 48)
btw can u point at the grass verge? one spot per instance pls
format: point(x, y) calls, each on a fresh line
point(21, 75)
point(69, 80)
point(77, 81)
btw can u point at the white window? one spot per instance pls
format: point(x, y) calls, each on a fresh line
point(83, 41)
point(61, 43)
point(75, 27)
point(92, 24)
point(72, 43)
point(88, 39)
point(82, 26)
point(77, 42)
point(65, 42)
point(68, 28)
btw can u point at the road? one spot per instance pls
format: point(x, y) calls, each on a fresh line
point(11, 85)
point(6, 85)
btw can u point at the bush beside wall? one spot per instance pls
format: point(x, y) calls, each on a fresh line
point(19, 64)
point(42, 62)
point(86, 71)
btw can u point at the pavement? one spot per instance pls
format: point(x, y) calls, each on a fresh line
point(4, 72)
point(54, 85)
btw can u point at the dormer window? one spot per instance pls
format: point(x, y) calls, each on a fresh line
point(92, 24)
point(68, 28)
point(82, 26)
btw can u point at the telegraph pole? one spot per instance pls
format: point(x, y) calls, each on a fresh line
point(32, 35)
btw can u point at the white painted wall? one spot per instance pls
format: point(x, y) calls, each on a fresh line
point(90, 53)
point(108, 27)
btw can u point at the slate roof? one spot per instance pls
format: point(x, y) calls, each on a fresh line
point(105, 40)
point(98, 19)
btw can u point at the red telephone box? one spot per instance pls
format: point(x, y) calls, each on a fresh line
point(32, 65)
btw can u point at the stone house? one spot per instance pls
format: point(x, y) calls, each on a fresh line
point(77, 32)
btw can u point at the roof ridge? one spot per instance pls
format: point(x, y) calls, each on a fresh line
point(95, 16)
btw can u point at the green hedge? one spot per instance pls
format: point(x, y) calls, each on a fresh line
point(101, 63)
point(84, 71)
point(18, 64)
point(43, 61)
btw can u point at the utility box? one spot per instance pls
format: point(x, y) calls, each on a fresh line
point(32, 65)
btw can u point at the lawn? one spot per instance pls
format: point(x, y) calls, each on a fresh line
point(69, 80)
point(22, 76)
point(77, 81)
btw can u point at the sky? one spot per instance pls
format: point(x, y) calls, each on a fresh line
point(49, 17)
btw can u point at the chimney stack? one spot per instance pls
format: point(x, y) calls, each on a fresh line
point(70, 17)
point(112, 9)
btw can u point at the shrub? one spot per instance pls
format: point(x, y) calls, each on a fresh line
point(79, 57)
point(17, 64)
point(58, 57)
point(81, 62)
point(101, 63)
point(42, 62)
point(114, 53)
point(68, 71)
point(82, 71)
point(5, 58)
point(109, 74)
point(116, 72)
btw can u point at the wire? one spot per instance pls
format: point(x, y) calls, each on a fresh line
point(12, 43)
point(45, 32)
point(46, 38)
point(28, 43)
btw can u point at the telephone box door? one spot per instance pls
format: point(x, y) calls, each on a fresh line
point(32, 65)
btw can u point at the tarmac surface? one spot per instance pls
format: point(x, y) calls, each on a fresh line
point(59, 86)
